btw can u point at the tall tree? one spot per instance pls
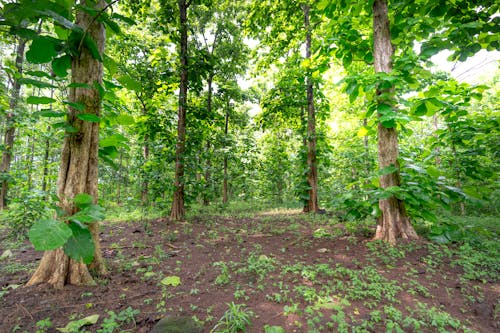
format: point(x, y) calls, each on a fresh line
point(79, 157)
point(312, 169)
point(10, 127)
point(177, 211)
point(394, 221)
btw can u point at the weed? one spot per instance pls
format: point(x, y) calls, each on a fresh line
point(236, 319)
point(224, 277)
point(43, 325)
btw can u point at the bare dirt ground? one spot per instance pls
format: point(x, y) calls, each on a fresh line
point(303, 274)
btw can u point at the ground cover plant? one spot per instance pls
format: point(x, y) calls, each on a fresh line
point(273, 270)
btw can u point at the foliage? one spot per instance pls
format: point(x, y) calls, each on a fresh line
point(237, 318)
point(69, 232)
point(23, 212)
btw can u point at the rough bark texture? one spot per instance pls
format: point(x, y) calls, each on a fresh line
point(10, 126)
point(79, 159)
point(394, 222)
point(177, 212)
point(312, 174)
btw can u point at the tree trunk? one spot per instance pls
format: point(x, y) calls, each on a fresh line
point(208, 165)
point(394, 222)
point(10, 126)
point(312, 174)
point(46, 162)
point(225, 197)
point(177, 212)
point(79, 160)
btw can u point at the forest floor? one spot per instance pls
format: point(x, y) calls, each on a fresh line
point(301, 273)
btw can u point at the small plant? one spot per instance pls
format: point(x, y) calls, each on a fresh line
point(43, 325)
point(236, 319)
point(224, 277)
point(115, 321)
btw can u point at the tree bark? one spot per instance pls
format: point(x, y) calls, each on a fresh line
point(10, 126)
point(177, 212)
point(394, 222)
point(312, 174)
point(79, 160)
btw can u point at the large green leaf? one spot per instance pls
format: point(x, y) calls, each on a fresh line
point(112, 140)
point(36, 83)
point(49, 234)
point(75, 325)
point(49, 113)
point(80, 245)
point(61, 65)
point(40, 100)
point(88, 117)
point(129, 83)
point(82, 199)
point(92, 47)
point(41, 50)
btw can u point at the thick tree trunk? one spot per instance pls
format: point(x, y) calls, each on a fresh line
point(312, 174)
point(79, 160)
point(394, 222)
point(10, 126)
point(177, 212)
point(225, 196)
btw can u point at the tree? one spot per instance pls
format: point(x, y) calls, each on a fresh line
point(10, 128)
point(177, 211)
point(394, 221)
point(79, 157)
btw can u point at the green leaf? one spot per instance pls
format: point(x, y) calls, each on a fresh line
point(129, 83)
point(122, 18)
point(76, 106)
point(83, 199)
point(61, 65)
point(421, 109)
point(173, 281)
point(49, 234)
point(125, 119)
point(88, 214)
point(88, 117)
point(429, 51)
point(80, 245)
point(41, 50)
point(38, 74)
point(40, 100)
point(383, 108)
point(92, 47)
point(49, 113)
point(274, 329)
point(110, 65)
point(112, 140)
point(75, 325)
point(36, 83)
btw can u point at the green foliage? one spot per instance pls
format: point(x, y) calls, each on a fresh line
point(237, 318)
point(115, 321)
point(23, 212)
point(69, 232)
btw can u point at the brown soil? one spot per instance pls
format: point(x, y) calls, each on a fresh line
point(140, 254)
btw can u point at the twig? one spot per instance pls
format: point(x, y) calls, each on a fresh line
point(25, 310)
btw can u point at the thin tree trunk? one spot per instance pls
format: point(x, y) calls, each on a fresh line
point(225, 196)
point(177, 212)
point(10, 125)
point(312, 174)
point(79, 161)
point(394, 222)
point(46, 162)
point(119, 180)
point(208, 165)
